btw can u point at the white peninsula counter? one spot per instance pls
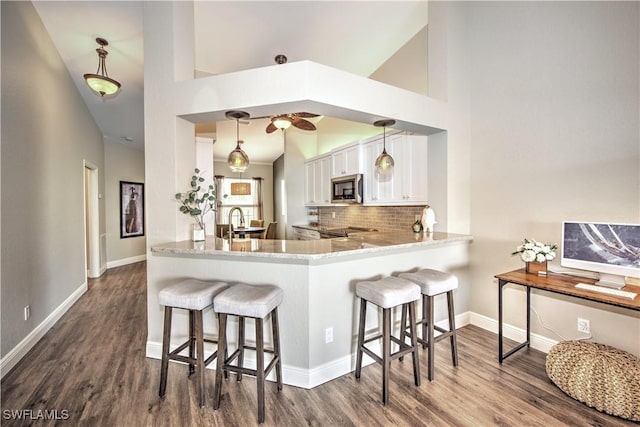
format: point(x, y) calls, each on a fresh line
point(319, 314)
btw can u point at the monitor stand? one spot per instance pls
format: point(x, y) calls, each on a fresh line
point(611, 281)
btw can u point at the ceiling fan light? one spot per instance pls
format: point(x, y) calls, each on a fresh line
point(238, 160)
point(282, 122)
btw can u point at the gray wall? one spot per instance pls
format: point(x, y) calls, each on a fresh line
point(47, 131)
point(122, 164)
point(554, 126)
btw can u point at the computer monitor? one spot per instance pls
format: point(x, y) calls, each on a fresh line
point(612, 250)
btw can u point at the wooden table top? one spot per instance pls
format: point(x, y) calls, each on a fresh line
point(565, 284)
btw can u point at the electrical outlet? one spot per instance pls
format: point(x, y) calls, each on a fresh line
point(328, 335)
point(27, 312)
point(583, 326)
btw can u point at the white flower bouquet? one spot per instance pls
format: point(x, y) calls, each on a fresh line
point(533, 251)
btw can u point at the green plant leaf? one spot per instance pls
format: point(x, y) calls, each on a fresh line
point(196, 170)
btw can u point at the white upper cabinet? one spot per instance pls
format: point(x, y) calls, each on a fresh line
point(407, 185)
point(318, 181)
point(346, 160)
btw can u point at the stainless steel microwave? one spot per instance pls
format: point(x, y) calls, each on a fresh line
point(347, 189)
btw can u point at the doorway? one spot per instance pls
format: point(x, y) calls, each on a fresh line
point(91, 220)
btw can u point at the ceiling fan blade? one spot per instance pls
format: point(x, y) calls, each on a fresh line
point(271, 128)
point(306, 115)
point(303, 124)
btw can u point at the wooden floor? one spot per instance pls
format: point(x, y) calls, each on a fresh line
point(92, 367)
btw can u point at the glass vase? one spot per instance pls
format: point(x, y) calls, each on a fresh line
point(197, 233)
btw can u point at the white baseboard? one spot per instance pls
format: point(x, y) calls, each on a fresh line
point(538, 342)
point(125, 261)
point(310, 378)
point(18, 352)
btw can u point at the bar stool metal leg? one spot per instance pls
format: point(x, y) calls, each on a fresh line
point(260, 368)
point(424, 323)
point(222, 349)
point(452, 328)
point(240, 346)
point(363, 317)
point(430, 340)
point(414, 342)
point(166, 336)
point(386, 353)
point(192, 341)
point(200, 355)
point(275, 328)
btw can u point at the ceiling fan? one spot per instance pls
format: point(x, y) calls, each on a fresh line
point(283, 121)
point(298, 120)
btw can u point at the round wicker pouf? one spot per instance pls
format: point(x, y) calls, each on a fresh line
point(603, 377)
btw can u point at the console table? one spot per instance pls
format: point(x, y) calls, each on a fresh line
point(559, 284)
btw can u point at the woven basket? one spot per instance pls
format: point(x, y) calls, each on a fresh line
point(603, 377)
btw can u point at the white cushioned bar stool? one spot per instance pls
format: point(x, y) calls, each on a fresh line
point(193, 295)
point(388, 293)
point(432, 283)
point(256, 302)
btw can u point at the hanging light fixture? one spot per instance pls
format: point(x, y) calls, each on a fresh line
point(238, 159)
point(384, 162)
point(101, 82)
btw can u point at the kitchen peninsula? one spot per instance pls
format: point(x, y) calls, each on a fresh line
point(318, 318)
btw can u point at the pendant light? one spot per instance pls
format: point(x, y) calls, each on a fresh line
point(384, 162)
point(238, 159)
point(100, 82)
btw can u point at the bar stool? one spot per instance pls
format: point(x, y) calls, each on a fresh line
point(388, 293)
point(255, 302)
point(193, 295)
point(432, 283)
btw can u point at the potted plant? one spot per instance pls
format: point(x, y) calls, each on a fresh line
point(197, 202)
point(535, 255)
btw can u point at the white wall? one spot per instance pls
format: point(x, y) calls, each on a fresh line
point(46, 135)
point(555, 127)
point(122, 163)
point(407, 68)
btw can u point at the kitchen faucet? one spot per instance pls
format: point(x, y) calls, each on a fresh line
point(233, 209)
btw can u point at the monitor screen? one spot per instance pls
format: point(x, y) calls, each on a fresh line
point(613, 250)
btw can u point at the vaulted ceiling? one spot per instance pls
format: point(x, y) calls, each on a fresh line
point(354, 36)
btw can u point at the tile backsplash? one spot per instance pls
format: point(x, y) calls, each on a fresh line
point(383, 218)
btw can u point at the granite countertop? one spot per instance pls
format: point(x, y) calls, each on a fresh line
point(366, 243)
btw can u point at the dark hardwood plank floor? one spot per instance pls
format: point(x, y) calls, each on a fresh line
point(91, 368)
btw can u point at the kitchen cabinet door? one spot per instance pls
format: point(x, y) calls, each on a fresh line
point(346, 160)
point(416, 184)
point(378, 189)
point(309, 183)
point(318, 181)
point(323, 184)
point(407, 185)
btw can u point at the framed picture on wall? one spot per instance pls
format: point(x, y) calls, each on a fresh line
point(131, 209)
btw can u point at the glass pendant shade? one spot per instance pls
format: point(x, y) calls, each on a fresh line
point(238, 159)
point(100, 82)
point(282, 122)
point(384, 163)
